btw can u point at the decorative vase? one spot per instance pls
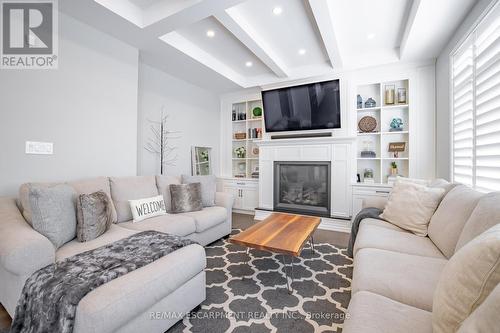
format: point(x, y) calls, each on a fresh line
point(389, 94)
point(359, 100)
point(370, 103)
point(394, 171)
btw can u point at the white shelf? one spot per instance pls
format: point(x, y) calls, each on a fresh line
point(394, 132)
point(248, 143)
point(368, 133)
point(375, 108)
point(379, 140)
point(395, 106)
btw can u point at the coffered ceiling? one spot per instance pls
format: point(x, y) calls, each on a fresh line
point(224, 45)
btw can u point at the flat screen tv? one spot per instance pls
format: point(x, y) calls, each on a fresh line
point(306, 107)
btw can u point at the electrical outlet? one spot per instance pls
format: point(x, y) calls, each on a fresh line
point(39, 148)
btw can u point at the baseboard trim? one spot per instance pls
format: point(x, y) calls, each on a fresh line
point(246, 212)
point(331, 224)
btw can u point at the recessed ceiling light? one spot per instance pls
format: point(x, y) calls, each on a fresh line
point(277, 10)
point(370, 36)
point(248, 64)
point(302, 51)
point(210, 33)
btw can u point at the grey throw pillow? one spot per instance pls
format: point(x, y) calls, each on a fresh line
point(186, 197)
point(94, 215)
point(208, 187)
point(53, 212)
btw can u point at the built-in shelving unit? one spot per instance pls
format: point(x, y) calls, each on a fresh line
point(247, 166)
point(378, 141)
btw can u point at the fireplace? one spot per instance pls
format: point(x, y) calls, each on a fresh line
point(302, 187)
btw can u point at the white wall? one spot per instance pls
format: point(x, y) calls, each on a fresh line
point(87, 108)
point(443, 90)
point(193, 112)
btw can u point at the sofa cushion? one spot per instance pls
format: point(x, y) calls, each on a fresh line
point(53, 212)
point(468, 278)
point(485, 318)
point(113, 234)
point(124, 189)
point(208, 217)
point(88, 186)
point(381, 223)
point(411, 206)
point(94, 215)
point(135, 293)
point(485, 215)
point(24, 191)
point(406, 278)
point(208, 187)
point(22, 249)
point(372, 313)
point(163, 185)
point(172, 224)
point(379, 237)
point(450, 217)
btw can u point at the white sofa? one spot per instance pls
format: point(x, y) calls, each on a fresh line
point(396, 272)
point(173, 284)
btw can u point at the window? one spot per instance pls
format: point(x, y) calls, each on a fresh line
point(476, 106)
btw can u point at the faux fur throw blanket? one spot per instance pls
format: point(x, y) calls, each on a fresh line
point(365, 213)
point(51, 295)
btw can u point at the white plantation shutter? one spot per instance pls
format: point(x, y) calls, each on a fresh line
point(463, 120)
point(476, 107)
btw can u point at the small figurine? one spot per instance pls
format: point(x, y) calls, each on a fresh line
point(396, 125)
point(359, 101)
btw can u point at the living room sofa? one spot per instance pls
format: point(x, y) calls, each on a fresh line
point(396, 273)
point(172, 285)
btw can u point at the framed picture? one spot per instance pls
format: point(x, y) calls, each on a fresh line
point(201, 161)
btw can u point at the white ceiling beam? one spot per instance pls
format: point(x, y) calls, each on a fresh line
point(321, 12)
point(189, 15)
point(236, 24)
point(182, 44)
point(410, 24)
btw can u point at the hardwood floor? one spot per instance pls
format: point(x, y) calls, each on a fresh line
point(240, 221)
point(4, 318)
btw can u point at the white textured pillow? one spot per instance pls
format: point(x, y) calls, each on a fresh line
point(467, 280)
point(146, 208)
point(411, 206)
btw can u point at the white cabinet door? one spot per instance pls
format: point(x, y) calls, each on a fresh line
point(357, 204)
point(250, 198)
point(235, 192)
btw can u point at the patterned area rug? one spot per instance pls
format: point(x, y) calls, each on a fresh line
point(253, 297)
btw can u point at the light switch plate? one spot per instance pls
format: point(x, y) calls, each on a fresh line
point(39, 148)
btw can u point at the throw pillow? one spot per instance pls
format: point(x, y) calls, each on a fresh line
point(53, 212)
point(411, 206)
point(208, 187)
point(466, 281)
point(94, 215)
point(163, 184)
point(146, 208)
point(186, 197)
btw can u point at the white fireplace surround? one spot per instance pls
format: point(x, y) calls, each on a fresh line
point(339, 152)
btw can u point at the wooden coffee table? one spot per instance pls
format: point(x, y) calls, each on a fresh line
point(280, 233)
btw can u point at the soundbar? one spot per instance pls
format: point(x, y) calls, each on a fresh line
point(301, 135)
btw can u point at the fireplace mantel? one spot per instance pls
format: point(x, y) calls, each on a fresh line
point(339, 151)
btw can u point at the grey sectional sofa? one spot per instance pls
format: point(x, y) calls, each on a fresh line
point(171, 285)
point(396, 272)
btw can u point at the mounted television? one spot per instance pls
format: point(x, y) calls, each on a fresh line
point(306, 107)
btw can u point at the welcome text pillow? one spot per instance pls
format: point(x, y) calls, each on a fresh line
point(146, 208)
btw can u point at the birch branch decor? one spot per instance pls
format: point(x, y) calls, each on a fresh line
point(159, 143)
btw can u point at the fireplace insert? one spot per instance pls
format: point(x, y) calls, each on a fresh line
point(302, 187)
